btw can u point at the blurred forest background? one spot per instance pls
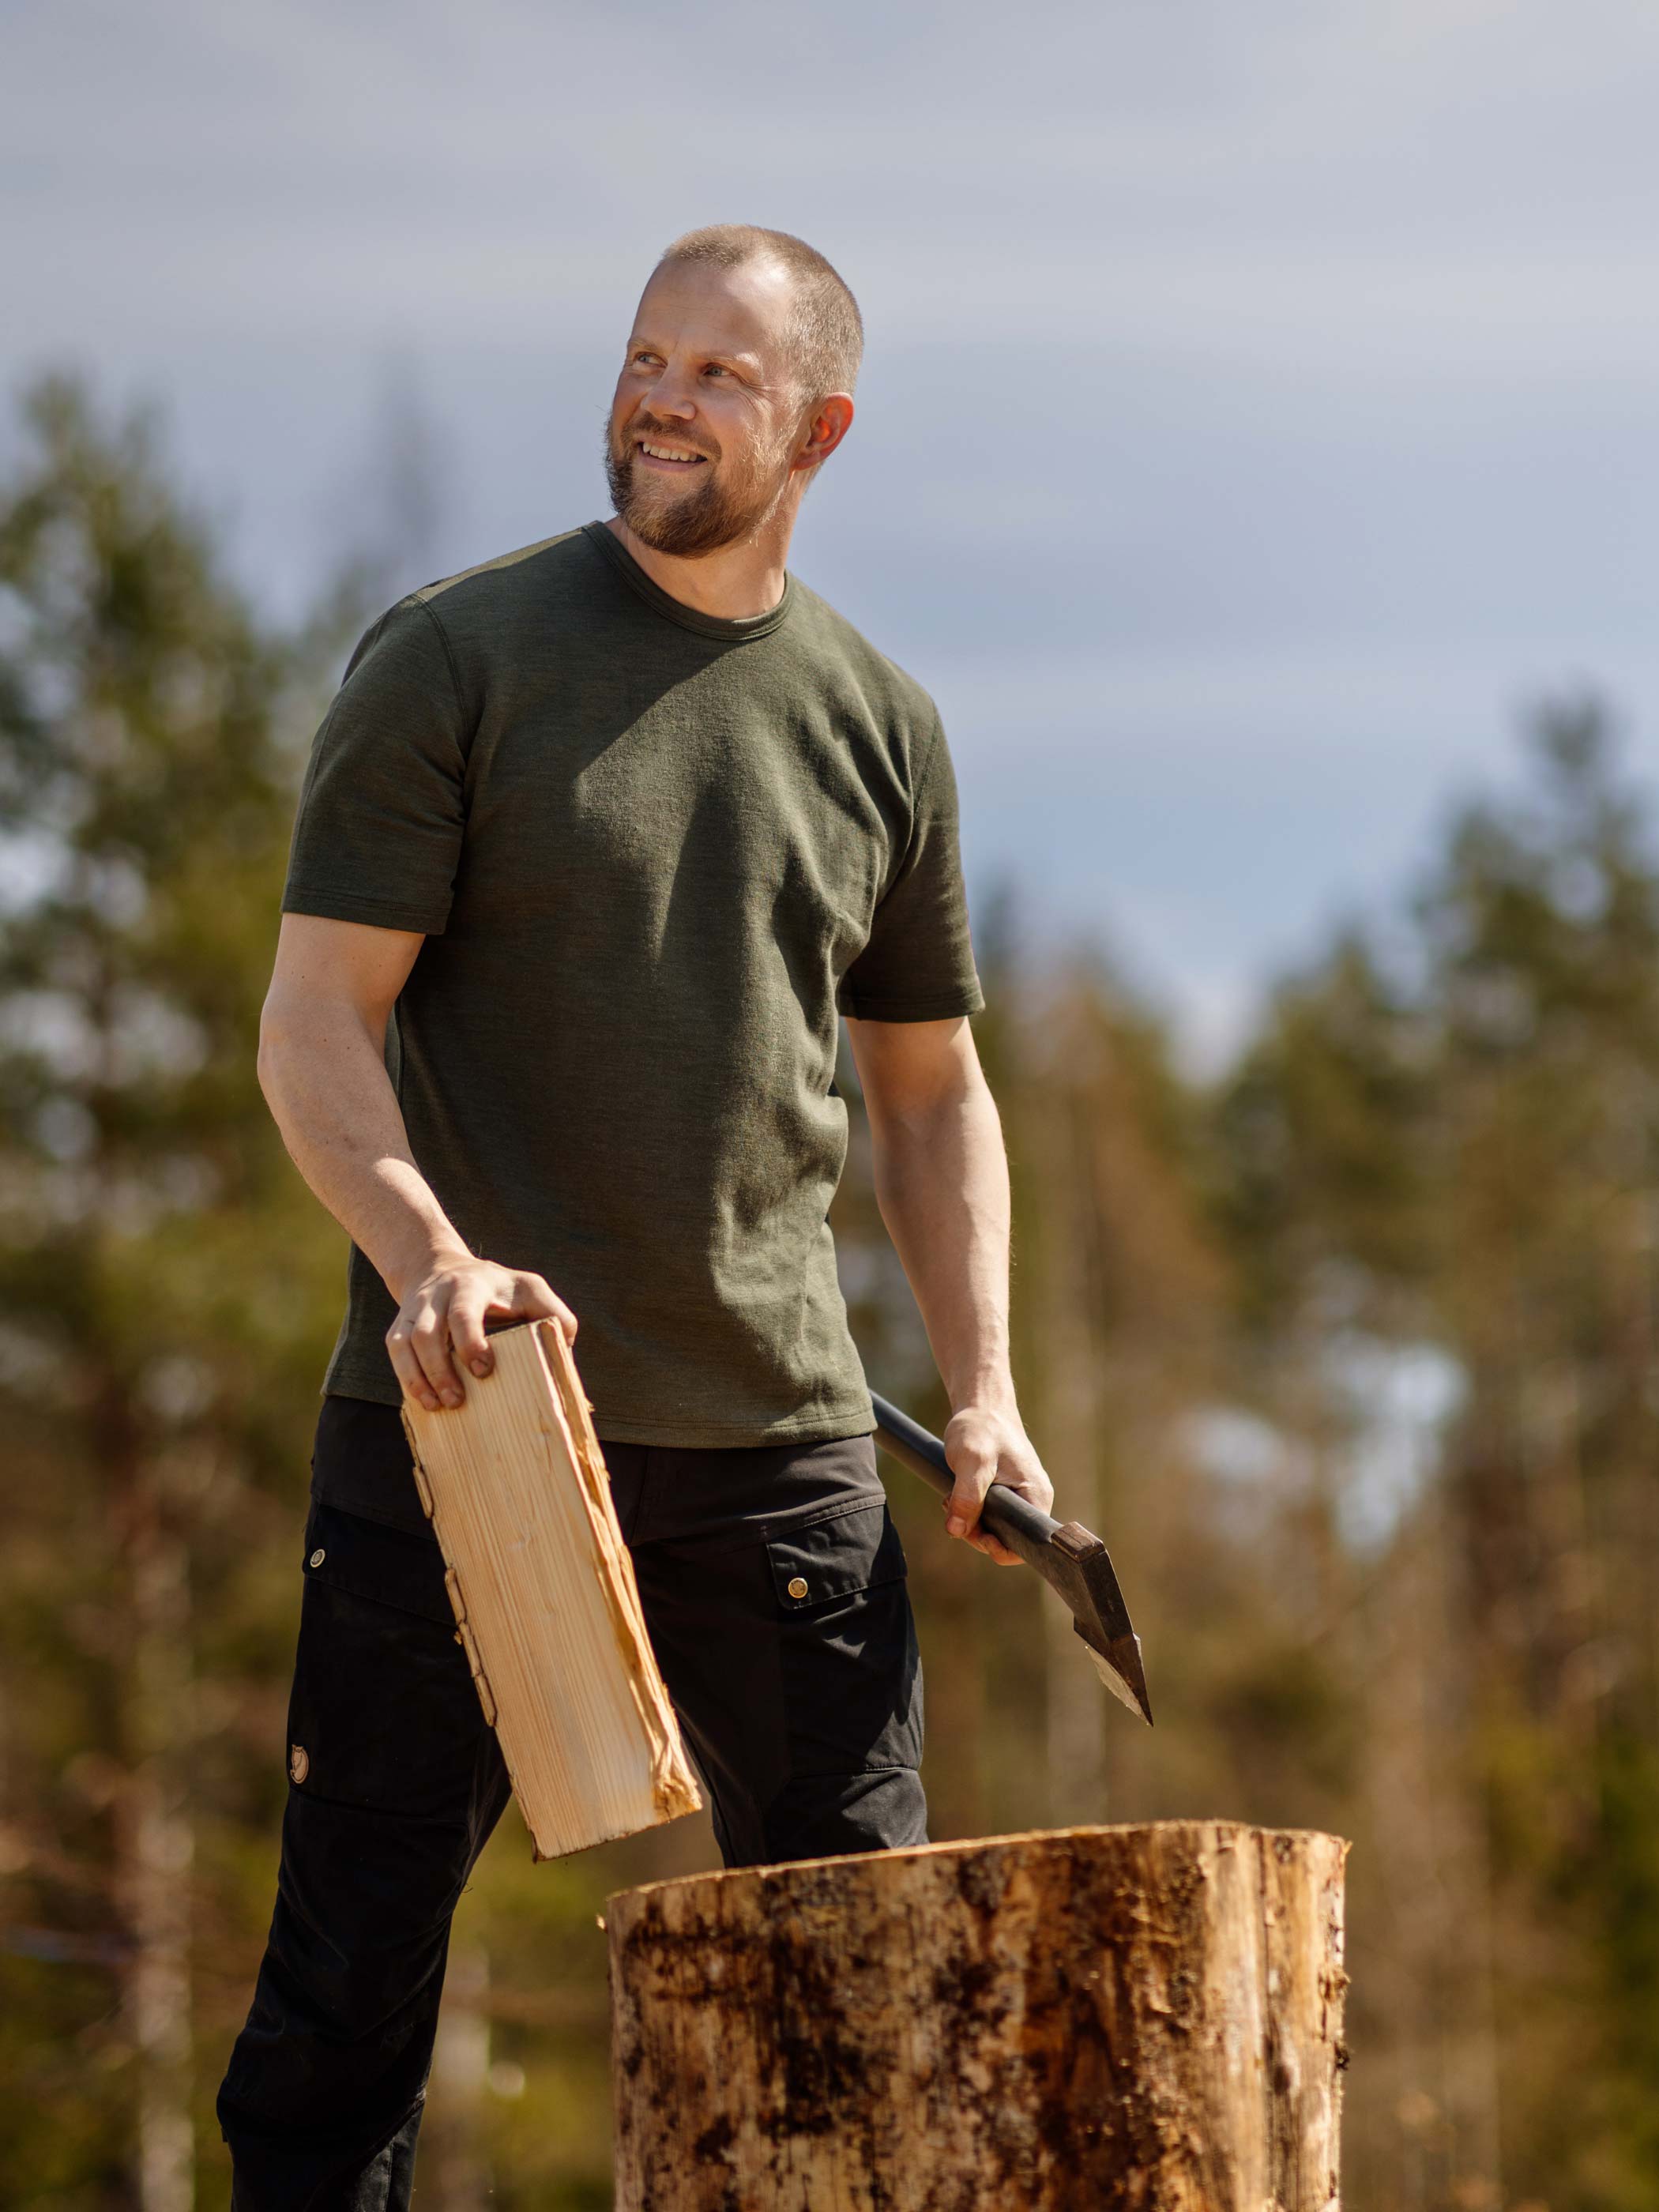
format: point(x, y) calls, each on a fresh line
point(1352, 1353)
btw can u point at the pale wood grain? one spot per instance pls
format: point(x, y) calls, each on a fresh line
point(545, 1600)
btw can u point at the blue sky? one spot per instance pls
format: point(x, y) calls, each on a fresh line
point(1259, 404)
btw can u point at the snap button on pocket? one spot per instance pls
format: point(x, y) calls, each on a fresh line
point(836, 1557)
point(345, 1556)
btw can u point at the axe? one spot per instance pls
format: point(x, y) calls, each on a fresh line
point(1072, 1561)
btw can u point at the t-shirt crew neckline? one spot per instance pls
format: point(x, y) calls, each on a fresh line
point(736, 632)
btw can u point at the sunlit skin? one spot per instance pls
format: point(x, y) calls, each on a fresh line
point(707, 375)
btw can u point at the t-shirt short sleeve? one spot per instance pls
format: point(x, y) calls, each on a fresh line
point(918, 965)
point(381, 816)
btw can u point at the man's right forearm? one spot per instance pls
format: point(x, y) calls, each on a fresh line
point(322, 1068)
point(324, 1079)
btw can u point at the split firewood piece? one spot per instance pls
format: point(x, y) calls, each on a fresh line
point(546, 1606)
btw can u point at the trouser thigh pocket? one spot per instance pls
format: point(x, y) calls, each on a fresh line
point(850, 1666)
point(384, 1713)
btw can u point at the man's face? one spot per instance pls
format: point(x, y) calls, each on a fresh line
point(705, 420)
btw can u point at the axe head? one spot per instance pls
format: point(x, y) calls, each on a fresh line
point(1100, 1616)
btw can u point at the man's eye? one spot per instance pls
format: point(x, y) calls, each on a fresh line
point(715, 369)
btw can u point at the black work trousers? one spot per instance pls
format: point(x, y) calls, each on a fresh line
point(773, 1583)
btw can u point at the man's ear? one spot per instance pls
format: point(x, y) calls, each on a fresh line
point(831, 419)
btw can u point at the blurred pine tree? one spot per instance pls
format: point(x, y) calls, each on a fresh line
point(167, 1293)
point(1447, 1162)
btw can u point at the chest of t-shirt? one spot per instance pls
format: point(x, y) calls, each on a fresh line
point(682, 815)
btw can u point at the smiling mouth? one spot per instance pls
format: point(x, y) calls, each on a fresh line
point(676, 457)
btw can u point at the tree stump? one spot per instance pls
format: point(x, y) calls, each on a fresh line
point(1146, 2017)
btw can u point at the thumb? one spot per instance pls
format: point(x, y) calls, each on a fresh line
point(973, 1465)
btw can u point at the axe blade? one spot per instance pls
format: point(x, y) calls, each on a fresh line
point(1121, 1672)
point(1070, 1559)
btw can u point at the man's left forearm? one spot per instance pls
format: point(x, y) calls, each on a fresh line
point(941, 1179)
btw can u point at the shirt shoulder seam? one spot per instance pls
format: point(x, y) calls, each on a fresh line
point(926, 760)
point(431, 613)
point(917, 783)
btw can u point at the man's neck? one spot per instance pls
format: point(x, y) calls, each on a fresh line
point(739, 581)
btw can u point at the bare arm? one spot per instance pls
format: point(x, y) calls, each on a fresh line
point(942, 1184)
point(322, 1037)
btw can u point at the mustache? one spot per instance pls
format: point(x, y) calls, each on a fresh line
point(647, 426)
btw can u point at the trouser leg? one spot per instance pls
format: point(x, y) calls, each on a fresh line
point(396, 1783)
point(794, 1667)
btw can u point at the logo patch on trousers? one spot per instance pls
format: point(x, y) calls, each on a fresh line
point(299, 1762)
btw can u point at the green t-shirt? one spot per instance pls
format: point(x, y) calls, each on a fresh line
point(653, 853)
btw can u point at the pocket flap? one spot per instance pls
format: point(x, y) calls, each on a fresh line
point(374, 1561)
point(855, 1551)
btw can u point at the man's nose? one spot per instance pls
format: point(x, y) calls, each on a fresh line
point(674, 393)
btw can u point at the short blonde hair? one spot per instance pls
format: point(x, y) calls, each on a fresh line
point(828, 328)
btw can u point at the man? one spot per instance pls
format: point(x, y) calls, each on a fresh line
point(595, 843)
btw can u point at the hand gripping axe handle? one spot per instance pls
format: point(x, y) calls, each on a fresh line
point(1073, 1562)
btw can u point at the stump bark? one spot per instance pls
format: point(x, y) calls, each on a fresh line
point(1146, 2017)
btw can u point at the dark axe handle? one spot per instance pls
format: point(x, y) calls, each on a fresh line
point(1070, 1557)
point(1022, 1527)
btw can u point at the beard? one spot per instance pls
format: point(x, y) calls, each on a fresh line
point(713, 511)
